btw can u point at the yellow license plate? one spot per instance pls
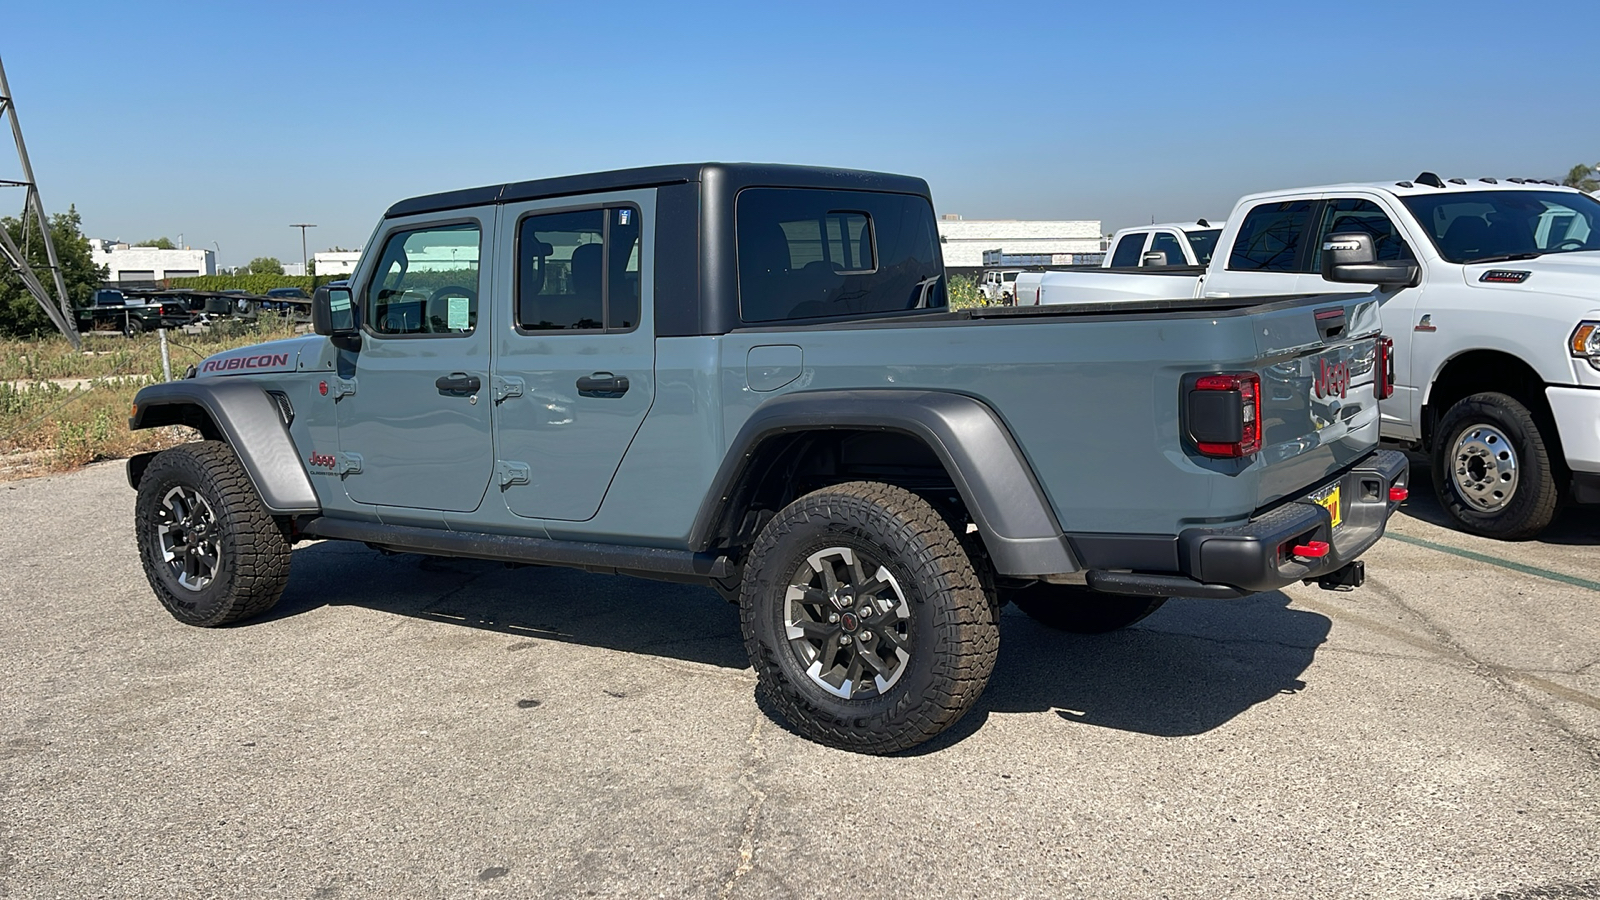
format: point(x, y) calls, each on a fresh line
point(1330, 502)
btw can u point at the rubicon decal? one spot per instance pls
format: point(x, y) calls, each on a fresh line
point(1334, 379)
point(261, 361)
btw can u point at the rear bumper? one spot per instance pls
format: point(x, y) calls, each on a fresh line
point(1258, 556)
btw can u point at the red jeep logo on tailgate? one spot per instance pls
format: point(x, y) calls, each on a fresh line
point(1332, 379)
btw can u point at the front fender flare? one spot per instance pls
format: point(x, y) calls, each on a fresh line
point(994, 479)
point(247, 419)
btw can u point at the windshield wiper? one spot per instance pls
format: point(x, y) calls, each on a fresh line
point(1509, 257)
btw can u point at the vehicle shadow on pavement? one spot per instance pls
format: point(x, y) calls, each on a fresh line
point(1189, 668)
point(1574, 525)
point(632, 615)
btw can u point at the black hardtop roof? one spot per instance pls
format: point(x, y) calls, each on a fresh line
point(737, 175)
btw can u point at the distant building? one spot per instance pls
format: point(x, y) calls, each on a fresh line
point(335, 262)
point(126, 264)
point(296, 269)
point(965, 240)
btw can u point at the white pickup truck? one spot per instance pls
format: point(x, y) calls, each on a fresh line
point(1179, 243)
point(1490, 290)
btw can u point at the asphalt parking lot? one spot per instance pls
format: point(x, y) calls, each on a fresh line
point(404, 727)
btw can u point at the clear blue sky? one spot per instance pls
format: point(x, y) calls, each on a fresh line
point(227, 122)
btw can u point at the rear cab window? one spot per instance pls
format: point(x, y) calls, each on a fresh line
point(807, 254)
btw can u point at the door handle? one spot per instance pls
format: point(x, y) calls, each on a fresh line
point(602, 384)
point(458, 383)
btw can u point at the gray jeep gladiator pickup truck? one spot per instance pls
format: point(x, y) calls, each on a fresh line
point(748, 376)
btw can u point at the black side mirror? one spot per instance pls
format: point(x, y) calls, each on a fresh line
point(1154, 258)
point(1349, 257)
point(333, 315)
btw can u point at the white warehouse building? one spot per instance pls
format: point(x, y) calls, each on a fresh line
point(965, 240)
point(335, 262)
point(126, 264)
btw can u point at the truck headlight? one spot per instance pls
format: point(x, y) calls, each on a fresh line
point(1585, 342)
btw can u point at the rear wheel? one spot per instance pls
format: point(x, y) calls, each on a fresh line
point(1070, 607)
point(1492, 470)
point(867, 625)
point(211, 551)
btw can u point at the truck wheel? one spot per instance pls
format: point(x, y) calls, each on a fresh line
point(211, 551)
point(1491, 469)
point(1068, 607)
point(865, 622)
point(132, 327)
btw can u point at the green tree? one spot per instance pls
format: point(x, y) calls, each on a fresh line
point(20, 315)
point(1582, 178)
point(160, 243)
point(265, 265)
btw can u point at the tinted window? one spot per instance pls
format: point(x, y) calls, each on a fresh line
point(1353, 215)
point(1270, 238)
point(808, 253)
point(1128, 250)
point(578, 270)
point(1204, 244)
point(1166, 243)
point(1476, 225)
point(426, 282)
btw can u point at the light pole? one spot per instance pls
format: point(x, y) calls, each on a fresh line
point(304, 259)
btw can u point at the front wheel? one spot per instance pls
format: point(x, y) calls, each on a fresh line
point(1068, 607)
point(867, 625)
point(1492, 469)
point(211, 551)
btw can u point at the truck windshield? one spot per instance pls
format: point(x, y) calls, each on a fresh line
point(1481, 226)
point(1203, 243)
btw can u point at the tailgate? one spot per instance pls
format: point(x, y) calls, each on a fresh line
point(1319, 404)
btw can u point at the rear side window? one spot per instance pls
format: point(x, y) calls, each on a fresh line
point(1166, 243)
point(1269, 240)
point(1128, 249)
point(807, 254)
point(578, 271)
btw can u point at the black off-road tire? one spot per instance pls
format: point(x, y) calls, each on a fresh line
point(252, 552)
point(1069, 607)
point(1534, 488)
point(949, 626)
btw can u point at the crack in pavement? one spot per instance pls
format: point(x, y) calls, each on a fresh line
point(1445, 645)
point(747, 780)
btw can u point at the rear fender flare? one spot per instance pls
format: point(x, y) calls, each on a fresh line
point(241, 414)
point(994, 479)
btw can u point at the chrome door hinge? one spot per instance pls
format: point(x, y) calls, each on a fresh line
point(506, 387)
point(513, 473)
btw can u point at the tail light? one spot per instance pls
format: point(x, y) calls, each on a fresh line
point(1383, 374)
point(1224, 415)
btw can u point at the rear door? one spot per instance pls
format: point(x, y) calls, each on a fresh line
point(1270, 251)
point(413, 431)
point(575, 365)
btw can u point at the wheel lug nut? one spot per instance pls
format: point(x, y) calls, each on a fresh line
point(833, 617)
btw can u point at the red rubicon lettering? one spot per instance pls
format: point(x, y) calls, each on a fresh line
point(1332, 379)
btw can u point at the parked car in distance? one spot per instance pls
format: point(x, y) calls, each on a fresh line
point(749, 377)
point(999, 286)
point(1169, 244)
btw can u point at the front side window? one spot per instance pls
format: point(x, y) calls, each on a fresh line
point(1204, 244)
point(1479, 226)
point(806, 253)
point(1351, 214)
point(1166, 243)
point(1128, 251)
point(579, 271)
point(426, 282)
point(1269, 239)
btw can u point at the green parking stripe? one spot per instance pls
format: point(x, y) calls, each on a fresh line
point(1573, 580)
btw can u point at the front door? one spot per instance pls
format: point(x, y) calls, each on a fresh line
point(575, 367)
point(414, 412)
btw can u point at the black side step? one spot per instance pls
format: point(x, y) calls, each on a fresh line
point(610, 559)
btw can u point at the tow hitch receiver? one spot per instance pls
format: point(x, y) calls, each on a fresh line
point(1348, 578)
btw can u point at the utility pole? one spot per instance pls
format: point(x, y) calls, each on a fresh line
point(60, 310)
point(305, 267)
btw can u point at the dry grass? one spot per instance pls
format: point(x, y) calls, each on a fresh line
point(47, 426)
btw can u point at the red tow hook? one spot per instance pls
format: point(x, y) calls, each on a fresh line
point(1398, 494)
point(1312, 549)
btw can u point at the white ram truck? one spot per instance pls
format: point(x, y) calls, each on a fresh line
point(1178, 243)
point(1490, 290)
